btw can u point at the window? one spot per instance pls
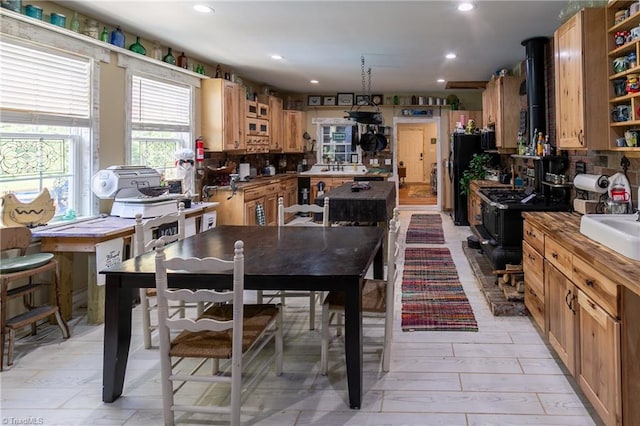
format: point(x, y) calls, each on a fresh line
point(160, 122)
point(46, 124)
point(335, 143)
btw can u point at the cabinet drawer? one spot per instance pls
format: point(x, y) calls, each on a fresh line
point(596, 286)
point(254, 193)
point(558, 256)
point(534, 237)
point(256, 126)
point(533, 267)
point(534, 302)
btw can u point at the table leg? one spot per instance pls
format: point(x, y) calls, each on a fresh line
point(353, 342)
point(378, 263)
point(117, 338)
point(95, 293)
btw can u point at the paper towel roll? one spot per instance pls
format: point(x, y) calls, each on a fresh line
point(591, 183)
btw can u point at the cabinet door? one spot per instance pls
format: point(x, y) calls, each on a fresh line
point(276, 122)
point(598, 365)
point(507, 114)
point(569, 83)
point(560, 296)
point(533, 267)
point(271, 209)
point(488, 104)
point(293, 131)
point(234, 108)
point(250, 214)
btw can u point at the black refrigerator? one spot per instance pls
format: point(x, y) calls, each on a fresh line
point(463, 146)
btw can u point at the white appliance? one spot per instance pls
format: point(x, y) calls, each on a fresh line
point(244, 171)
point(135, 189)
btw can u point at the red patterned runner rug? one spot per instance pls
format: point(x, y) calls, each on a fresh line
point(432, 296)
point(425, 229)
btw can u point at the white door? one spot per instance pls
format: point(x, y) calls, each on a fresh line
point(411, 151)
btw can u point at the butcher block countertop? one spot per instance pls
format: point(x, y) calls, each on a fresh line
point(565, 228)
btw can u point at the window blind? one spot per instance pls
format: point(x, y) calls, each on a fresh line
point(154, 102)
point(41, 83)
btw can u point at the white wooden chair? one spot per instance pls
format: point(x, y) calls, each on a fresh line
point(226, 331)
point(377, 301)
point(144, 234)
point(311, 209)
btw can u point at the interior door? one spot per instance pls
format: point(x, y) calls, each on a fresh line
point(412, 152)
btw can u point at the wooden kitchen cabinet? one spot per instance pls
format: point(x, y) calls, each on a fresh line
point(329, 184)
point(223, 111)
point(618, 128)
point(276, 121)
point(583, 311)
point(580, 81)
point(241, 208)
point(560, 304)
point(598, 364)
point(501, 109)
point(293, 131)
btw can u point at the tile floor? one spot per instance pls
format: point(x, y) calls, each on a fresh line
point(502, 375)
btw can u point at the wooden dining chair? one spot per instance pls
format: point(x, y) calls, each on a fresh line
point(20, 275)
point(312, 210)
point(377, 302)
point(145, 232)
point(225, 331)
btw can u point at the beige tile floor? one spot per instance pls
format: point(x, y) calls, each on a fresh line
point(502, 375)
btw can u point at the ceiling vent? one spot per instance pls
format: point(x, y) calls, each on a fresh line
point(466, 85)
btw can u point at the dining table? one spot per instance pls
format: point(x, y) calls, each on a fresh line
point(276, 258)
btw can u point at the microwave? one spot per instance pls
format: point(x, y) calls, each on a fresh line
point(488, 140)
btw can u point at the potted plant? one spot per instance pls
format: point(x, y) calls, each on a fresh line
point(475, 171)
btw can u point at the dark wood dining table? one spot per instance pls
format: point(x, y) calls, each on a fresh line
point(276, 258)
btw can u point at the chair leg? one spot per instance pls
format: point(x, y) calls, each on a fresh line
point(146, 318)
point(12, 338)
point(279, 342)
point(215, 366)
point(324, 345)
point(63, 325)
point(312, 310)
point(259, 297)
point(339, 316)
point(2, 341)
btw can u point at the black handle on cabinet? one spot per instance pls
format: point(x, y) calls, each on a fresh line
point(589, 282)
point(573, 299)
point(554, 255)
point(566, 299)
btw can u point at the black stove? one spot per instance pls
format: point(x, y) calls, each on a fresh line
point(501, 229)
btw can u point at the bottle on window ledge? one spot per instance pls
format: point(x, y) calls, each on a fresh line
point(74, 25)
point(137, 47)
point(182, 61)
point(104, 35)
point(169, 58)
point(117, 37)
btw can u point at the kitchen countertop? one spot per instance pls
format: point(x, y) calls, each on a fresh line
point(262, 180)
point(565, 228)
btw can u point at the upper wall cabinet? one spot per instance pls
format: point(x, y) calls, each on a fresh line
point(501, 109)
point(623, 45)
point(581, 81)
point(276, 120)
point(223, 111)
point(293, 131)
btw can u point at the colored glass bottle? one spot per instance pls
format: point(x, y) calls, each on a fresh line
point(104, 35)
point(169, 58)
point(74, 25)
point(138, 47)
point(218, 72)
point(183, 61)
point(117, 37)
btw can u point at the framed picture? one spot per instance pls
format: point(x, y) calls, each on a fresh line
point(345, 99)
point(314, 100)
point(362, 99)
point(376, 99)
point(328, 100)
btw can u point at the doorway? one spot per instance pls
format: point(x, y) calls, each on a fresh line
point(418, 153)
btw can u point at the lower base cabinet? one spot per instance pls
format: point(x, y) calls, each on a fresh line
point(583, 314)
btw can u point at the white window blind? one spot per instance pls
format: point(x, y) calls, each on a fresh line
point(155, 103)
point(39, 83)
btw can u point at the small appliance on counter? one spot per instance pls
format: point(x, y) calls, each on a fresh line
point(244, 171)
point(135, 189)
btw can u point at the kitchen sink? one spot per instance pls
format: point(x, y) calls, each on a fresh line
point(619, 232)
point(330, 169)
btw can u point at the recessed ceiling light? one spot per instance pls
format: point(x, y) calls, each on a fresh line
point(276, 57)
point(314, 81)
point(202, 8)
point(440, 80)
point(450, 56)
point(465, 7)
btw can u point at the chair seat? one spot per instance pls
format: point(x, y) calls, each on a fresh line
point(373, 297)
point(218, 344)
point(22, 263)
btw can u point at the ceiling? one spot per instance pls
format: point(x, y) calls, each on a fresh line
point(404, 42)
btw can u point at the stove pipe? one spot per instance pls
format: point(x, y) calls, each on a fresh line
point(534, 48)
